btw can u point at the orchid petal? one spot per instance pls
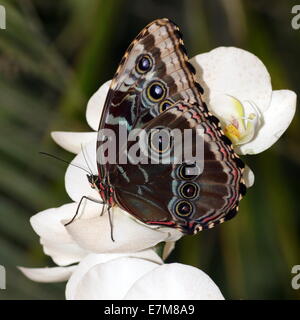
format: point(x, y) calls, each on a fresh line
point(174, 281)
point(63, 254)
point(168, 248)
point(56, 241)
point(46, 275)
point(73, 141)
point(248, 176)
point(109, 276)
point(235, 72)
point(47, 224)
point(275, 121)
point(95, 106)
point(129, 235)
point(76, 182)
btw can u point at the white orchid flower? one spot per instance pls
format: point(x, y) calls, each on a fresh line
point(237, 89)
point(136, 276)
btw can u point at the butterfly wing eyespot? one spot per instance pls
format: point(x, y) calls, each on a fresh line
point(183, 208)
point(165, 104)
point(189, 190)
point(156, 91)
point(144, 64)
point(160, 140)
point(187, 171)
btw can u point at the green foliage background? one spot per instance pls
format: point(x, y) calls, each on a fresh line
point(55, 54)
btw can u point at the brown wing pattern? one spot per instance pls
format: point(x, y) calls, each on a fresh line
point(130, 103)
point(157, 188)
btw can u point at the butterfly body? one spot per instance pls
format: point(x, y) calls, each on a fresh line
point(154, 87)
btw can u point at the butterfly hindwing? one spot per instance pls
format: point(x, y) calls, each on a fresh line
point(162, 194)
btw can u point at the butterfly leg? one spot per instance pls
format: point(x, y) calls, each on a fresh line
point(79, 204)
point(110, 223)
point(102, 211)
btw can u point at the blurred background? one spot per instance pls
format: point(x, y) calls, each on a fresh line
point(55, 54)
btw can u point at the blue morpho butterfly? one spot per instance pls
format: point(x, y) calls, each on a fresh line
point(154, 86)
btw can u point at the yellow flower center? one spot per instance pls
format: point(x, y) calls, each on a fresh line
point(238, 125)
point(232, 133)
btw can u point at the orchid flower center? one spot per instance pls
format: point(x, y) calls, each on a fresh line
point(239, 120)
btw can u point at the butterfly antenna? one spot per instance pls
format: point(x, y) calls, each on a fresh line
point(65, 161)
point(85, 159)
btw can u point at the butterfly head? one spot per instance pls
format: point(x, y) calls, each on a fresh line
point(93, 181)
